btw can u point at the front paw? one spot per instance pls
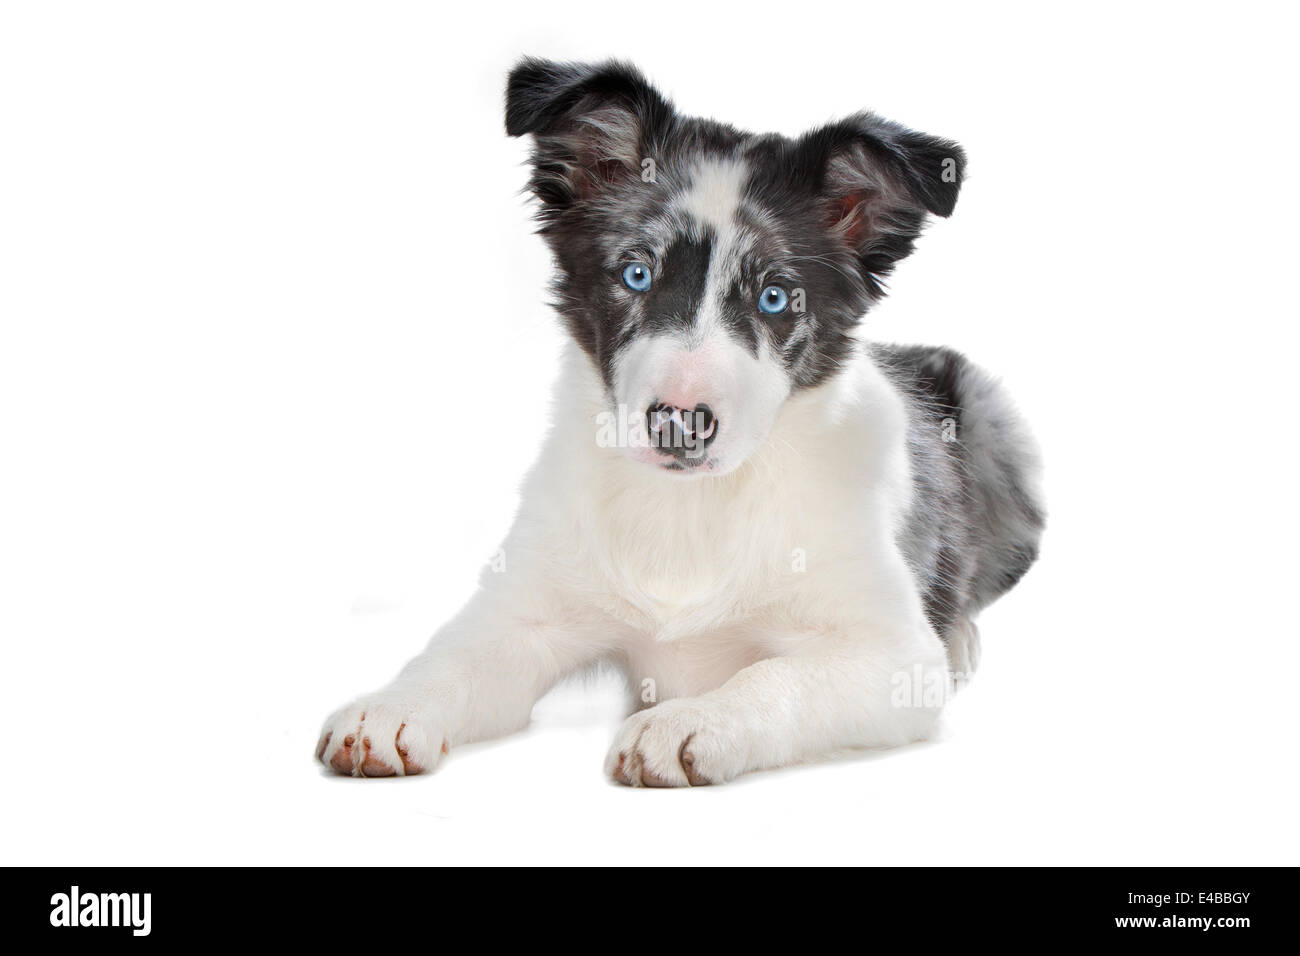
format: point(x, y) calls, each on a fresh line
point(678, 743)
point(379, 737)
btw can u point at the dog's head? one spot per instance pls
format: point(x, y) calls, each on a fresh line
point(710, 273)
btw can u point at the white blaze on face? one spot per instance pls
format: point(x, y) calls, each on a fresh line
point(704, 362)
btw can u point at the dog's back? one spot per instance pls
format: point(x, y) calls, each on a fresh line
point(977, 513)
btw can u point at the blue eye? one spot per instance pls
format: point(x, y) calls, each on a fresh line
point(773, 300)
point(637, 277)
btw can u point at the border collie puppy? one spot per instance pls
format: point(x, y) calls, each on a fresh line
point(779, 533)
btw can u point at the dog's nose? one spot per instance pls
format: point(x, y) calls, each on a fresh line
point(682, 433)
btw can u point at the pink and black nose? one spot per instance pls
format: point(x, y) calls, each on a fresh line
point(682, 433)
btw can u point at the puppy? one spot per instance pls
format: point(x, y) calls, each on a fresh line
point(779, 533)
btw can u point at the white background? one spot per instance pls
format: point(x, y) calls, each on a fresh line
point(274, 358)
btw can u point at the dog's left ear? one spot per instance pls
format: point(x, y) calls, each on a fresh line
point(593, 125)
point(876, 181)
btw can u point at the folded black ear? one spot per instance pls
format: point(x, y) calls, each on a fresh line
point(876, 181)
point(593, 124)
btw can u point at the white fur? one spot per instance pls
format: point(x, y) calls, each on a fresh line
point(770, 606)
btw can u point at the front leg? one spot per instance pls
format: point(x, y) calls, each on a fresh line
point(845, 691)
point(478, 678)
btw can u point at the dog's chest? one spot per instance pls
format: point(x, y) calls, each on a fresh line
point(689, 560)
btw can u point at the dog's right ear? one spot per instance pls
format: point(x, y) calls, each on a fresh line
point(593, 124)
